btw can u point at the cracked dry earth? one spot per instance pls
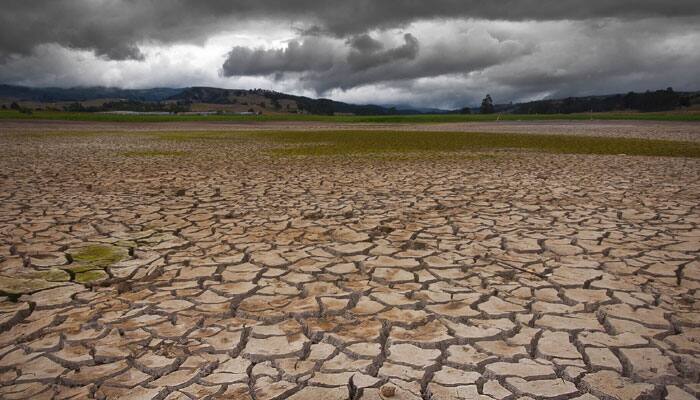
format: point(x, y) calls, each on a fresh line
point(231, 274)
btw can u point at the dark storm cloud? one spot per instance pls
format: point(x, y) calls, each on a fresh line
point(115, 28)
point(314, 54)
point(365, 44)
point(367, 52)
point(364, 60)
point(317, 55)
point(444, 53)
point(323, 63)
point(457, 62)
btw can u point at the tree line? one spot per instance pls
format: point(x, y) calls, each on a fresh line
point(130, 105)
point(649, 101)
point(659, 100)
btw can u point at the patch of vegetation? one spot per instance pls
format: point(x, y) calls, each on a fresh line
point(88, 266)
point(373, 142)
point(94, 258)
point(102, 255)
point(91, 276)
point(52, 275)
point(80, 268)
point(376, 119)
point(154, 153)
point(89, 263)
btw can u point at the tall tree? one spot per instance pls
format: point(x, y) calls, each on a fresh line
point(487, 105)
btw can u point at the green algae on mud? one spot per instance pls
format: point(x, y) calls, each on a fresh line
point(91, 276)
point(377, 142)
point(98, 255)
point(354, 142)
point(389, 119)
point(89, 262)
point(51, 275)
point(88, 265)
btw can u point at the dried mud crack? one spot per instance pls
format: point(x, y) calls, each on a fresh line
point(231, 273)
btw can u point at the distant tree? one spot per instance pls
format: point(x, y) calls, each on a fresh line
point(487, 105)
point(75, 107)
point(176, 108)
point(14, 106)
point(4, 107)
point(649, 101)
point(465, 110)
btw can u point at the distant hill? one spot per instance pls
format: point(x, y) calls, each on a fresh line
point(210, 99)
point(53, 94)
point(280, 102)
point(649, 101)
point(195, 98)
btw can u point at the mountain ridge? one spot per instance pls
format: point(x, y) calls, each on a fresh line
point(203, 98)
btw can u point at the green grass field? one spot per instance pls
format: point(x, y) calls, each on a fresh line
point(388, 119)
point(386, 142)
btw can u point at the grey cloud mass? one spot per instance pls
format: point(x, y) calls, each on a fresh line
point(115, 28)
point(443, 53)
point(366, 60)
point(319, 55)
point(313, 54)
point(369, 53)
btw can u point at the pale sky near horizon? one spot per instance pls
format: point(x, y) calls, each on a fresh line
point(441, 53)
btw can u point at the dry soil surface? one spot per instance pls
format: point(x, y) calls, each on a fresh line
point(681, 131)
point(226, 273)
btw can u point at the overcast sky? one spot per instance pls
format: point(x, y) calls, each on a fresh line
point(437, 53)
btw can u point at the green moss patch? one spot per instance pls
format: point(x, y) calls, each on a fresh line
point(52, 275)
point(412, 143)
point(89, 263)
point(374, 119)
point(100, 256)
point(88, 266)
point(77, 269)
point(380, 142)
point(91, 276)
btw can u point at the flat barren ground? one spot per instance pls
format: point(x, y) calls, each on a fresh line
point(193, 261)
point(682, 131)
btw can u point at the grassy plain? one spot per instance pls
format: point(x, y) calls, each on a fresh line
point(378, 142)
point(396, 119)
